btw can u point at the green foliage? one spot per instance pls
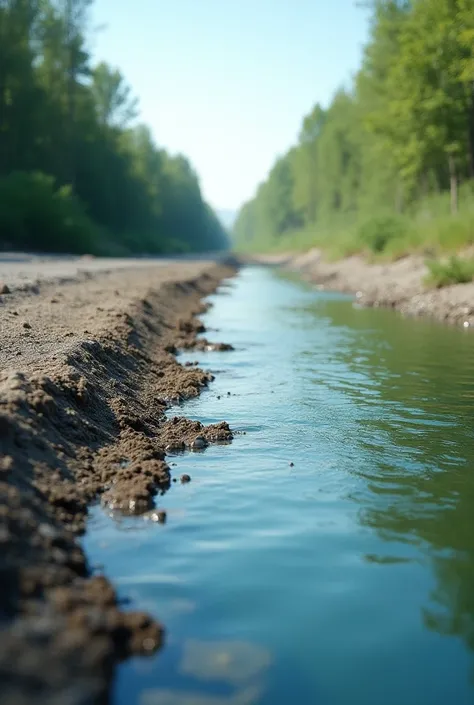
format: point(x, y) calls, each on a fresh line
point(387, 165)
point(115, 105)
point(61, 116)
point(35, 215)
point(455, 270)
point(377, 233)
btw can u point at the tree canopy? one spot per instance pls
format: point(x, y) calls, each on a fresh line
point(77, 172)
point(402, 130)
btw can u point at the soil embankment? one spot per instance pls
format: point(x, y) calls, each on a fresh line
point(88, 366)
point(398, 285)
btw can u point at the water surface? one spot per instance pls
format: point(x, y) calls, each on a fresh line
point(347, 577)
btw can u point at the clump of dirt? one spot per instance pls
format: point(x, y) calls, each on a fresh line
point(188, 331)
point(86, 420)
point(180, 434)
point(65, 651)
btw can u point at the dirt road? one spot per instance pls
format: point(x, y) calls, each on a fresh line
point(88, 366)
point(19, 270)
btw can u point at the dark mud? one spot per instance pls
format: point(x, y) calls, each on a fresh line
point(88, 423)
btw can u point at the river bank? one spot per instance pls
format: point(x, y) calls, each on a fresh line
point(397, 285)
point(326, 556)
point(88, 369)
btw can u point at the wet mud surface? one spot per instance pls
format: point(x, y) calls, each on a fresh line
point(88, 369)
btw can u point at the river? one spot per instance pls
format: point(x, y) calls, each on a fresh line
point(326, 556)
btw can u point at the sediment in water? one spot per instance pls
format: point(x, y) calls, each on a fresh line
point(83, 424)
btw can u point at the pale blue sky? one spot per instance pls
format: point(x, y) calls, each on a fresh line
point(227, 82)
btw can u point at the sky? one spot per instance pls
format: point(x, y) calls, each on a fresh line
point(228, 82)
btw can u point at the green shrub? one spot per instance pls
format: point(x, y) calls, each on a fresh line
point(377, 232)
point(455, 270)
point(36, 215)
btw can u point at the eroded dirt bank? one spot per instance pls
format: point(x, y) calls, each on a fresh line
point(87, 368)
point(398, 285)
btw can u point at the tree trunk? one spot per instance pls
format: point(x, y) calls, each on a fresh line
point(3, 92)
point(453, 182)
point(399, 198)
point(470, 136)
point(70, 95)
point(424, 184)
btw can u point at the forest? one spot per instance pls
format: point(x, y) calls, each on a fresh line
point(78, 174)
point(388, 166)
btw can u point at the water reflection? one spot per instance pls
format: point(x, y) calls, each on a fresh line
point(232, 661)
point(420, 438)
point(237, 665)
point(248, 696)
point(339, 579)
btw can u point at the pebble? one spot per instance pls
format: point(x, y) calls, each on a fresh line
point(148, 644)
point(26, 324)
point(174, 446)
point(185, 478)
point(292, 465)
point(158, 517)
point(199, 442)
point(48, 531)
point(4, 289)
point(466, 324)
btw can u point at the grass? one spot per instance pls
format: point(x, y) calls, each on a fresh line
point(427, 229)
point(455, 270)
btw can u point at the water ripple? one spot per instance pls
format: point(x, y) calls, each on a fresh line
point(344, 577)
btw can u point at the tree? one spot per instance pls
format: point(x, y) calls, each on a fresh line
point(305, 165)
point(89, 181)
point(114, 102)
point(19, 93)
point(403, 129)
point(426, 112)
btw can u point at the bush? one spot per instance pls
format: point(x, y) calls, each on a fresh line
point(378, 232)
point(36, 215)
point(455, 270)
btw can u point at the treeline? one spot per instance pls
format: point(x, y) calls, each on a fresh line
point(75, 175)
point(387, 165)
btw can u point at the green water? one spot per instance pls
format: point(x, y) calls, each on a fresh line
point(347, 578)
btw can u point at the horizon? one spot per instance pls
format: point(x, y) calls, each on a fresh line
point(225, 104)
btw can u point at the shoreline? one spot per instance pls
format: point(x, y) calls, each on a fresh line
point(397, 285)
point(89, 367)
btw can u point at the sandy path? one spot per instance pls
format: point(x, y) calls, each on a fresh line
point(19, 270)
point(23, 271)
point(87, 366)
point(65, 302)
